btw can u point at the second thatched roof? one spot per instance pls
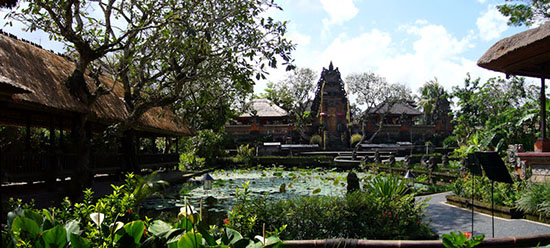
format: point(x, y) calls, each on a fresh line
point(524, 54)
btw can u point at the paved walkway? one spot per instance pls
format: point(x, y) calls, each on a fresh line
point(446, 218)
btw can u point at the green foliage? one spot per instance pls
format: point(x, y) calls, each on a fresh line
point(316, 139)
point(355, 138)
point(203, 149)
point(526, 12)
point(495, 114)
point(190, 161)
point(535, 199)
point(96, 227)
point(293, 94)
point(244, 154)
point(433, 100)
point(460, 240)
point(504, 194)
point(358, 215)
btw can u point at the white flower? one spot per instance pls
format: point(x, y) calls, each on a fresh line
point(97, 218)
point(187, 210)
point(260, 238)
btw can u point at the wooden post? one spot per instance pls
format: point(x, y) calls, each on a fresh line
point(61, 138)
point(166, 145)
point(177, 145)
point(27, 133)
point(52, 161)
point(542, 109)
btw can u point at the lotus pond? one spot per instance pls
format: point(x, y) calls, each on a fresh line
point(274, 183)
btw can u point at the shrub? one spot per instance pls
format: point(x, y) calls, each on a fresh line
point(357, 215)
point(504, 194)
point(190, 161)
point(244, 154)
point(316, 139)
point(535, 199)
point(355, 139)
point(207, 145)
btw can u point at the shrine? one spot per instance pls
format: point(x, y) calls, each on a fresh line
point(331, 110)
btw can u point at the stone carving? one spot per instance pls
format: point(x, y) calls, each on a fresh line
point(407, 162)
point(391, 160)
point(465, 168)
point(515, 162)
point(353, 182)
point(444, 160)
point(431, 164)
point(377, 157)
point(424, 161)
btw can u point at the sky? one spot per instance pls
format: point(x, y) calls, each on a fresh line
point(407, 42)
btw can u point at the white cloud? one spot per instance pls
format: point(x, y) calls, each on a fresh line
point(435, 53)
point(339, 11)
point(491, 24)
point(482, 1)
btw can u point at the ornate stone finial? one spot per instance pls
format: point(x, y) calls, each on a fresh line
point(330, 67)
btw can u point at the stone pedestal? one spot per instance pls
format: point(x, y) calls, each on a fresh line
point(539, 163)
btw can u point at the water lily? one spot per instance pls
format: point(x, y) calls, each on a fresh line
point(97, 218)
point(187, 210)
point(260, 238)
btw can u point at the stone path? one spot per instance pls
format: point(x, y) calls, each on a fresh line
point(446, 218)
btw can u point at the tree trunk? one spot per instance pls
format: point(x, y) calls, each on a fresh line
point(82, 176)
point(129, 149)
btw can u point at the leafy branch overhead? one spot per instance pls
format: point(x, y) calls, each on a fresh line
point(160, 50)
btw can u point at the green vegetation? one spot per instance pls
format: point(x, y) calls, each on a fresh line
point(504, 194)
point(316, 139)
point(535, 199)
point(355, 139)
point(384, 210)
point(115, 221)
point(461, 240)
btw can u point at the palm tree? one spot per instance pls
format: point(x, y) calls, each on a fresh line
point(430, 95)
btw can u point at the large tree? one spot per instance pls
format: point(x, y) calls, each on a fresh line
point(526, 12)
point(158, 50)
point(496, 113)
point(431, 99)
point(372, 90)
point(293, 94)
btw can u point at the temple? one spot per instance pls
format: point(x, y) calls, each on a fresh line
point(331, 110)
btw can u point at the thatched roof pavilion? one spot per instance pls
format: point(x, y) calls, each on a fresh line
point(32, 83)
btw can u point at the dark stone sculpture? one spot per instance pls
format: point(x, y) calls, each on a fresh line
point(444, 160)
point(377, 157)
point(353, 182)
point(391, 160)
point(431, 164)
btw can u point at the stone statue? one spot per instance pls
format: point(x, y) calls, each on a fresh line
point(431, 164)
point(353, 182)
point(391, 160)
point(465, 168)
point(377, 157)
point(444, 160)
point(424, 161)
point(407, 162)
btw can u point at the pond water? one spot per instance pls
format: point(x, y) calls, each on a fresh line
point(275, 184)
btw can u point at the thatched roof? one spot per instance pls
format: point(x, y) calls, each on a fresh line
point(523, 54)
point(43, 74)
point(265, 108)
point(396, 109)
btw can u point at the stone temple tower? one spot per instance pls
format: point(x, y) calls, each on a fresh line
point(331, 110)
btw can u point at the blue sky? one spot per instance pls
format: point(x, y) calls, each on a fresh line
point(406, 41)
